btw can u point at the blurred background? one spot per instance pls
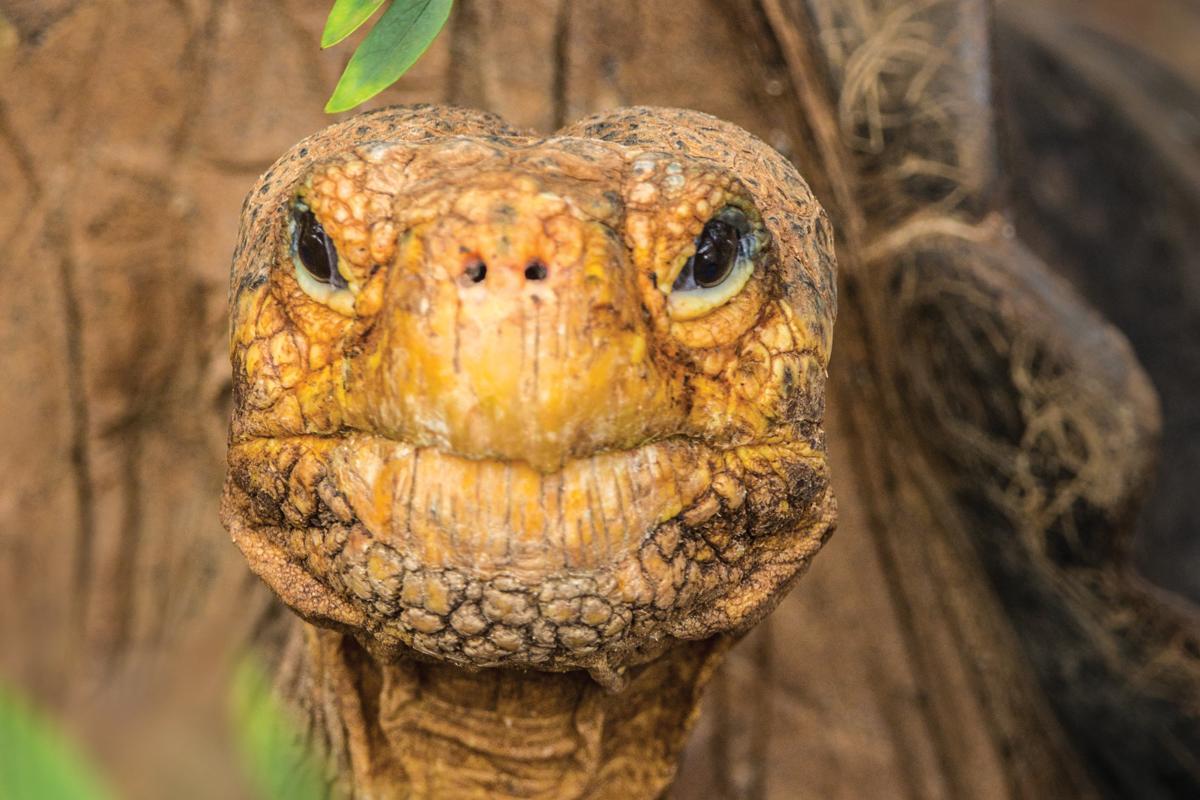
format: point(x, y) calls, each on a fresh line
point(129, 133)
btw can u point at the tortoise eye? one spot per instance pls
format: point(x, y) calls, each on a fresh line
point(716, 251)
point(315, 259)
point(720, 266)
point(313, 249)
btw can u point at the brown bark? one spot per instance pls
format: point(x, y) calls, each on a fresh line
point(899, 667)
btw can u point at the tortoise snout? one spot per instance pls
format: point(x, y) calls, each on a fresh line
point(475, 270)
point(512, 329)
point(515, 248)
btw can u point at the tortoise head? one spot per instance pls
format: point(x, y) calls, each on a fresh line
point(550, 403)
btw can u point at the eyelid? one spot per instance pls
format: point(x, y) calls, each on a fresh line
point(693, 303)
point(340, 300)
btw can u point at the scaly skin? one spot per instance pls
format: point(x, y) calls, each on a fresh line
point(564, 472)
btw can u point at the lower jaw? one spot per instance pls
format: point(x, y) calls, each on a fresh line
point(684, 577)
point(565, 622)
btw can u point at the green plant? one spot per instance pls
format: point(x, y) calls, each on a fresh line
point(273, 756)
point(401, 35)
point(37, 761)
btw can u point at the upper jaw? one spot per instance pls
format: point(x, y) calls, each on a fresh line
point(484, 515)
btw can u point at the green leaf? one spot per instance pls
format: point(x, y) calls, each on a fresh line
point(402, 34)
point(345, 18)
point(269, 739)
point(38, 761)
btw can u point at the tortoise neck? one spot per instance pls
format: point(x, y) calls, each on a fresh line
point(432, 730)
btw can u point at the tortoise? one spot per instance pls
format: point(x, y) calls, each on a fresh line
point(529, 429)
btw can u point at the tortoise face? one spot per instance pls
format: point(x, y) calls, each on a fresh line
point(513, 401)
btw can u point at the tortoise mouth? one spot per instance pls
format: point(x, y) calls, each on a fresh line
point(485, 563)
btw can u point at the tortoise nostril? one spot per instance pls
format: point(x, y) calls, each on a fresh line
point(476, 271)
point(535, 271)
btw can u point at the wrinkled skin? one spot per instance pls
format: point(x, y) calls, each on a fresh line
point(560, 468)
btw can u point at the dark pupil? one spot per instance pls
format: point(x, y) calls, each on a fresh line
point(316, 252)
point(716, 251)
